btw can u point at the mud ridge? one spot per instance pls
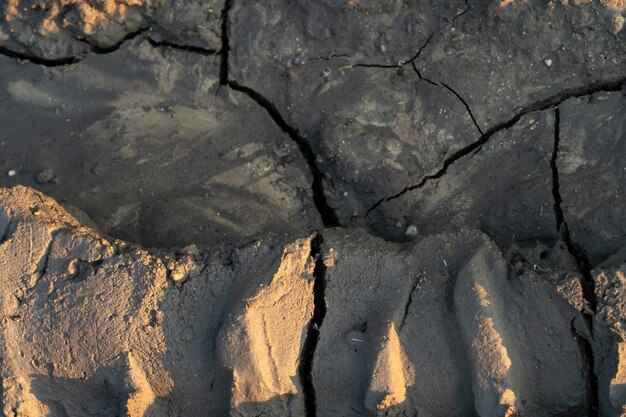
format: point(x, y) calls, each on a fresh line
point(327, 213)
point(305, 367)
point(555, 100)
point(587, 283)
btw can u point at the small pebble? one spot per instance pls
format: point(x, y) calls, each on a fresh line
point(548, 62)
point(11, 173)
point(411, 231)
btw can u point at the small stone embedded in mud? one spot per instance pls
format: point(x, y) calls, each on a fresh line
point(180, 269)
point(411, 231)
point(190, 250)
point(99, 169)
point(11, 173)
point(618, 23)
point(46, 176)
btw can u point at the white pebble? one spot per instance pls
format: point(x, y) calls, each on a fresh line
point(11, 173)
point(411, 231)
point(548, 62)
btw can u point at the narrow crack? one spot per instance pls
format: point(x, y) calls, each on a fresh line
point(39, 61)
point(42, 268)
point(446, 86)
point(587, 283)
point(588, 363)
point(225, 50)
point(129, 37)
point(327, 213)
point(187, 48)
point(329, 57)
point(419, 51)
point(400, 63)
point(555, 100)
point(305, 367)
point(467, 8)
point(451, 90)
point(70, 60)
point(419, 75)
point(579, 255)
point(409, 301)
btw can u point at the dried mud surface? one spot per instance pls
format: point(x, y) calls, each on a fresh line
point(333, 208)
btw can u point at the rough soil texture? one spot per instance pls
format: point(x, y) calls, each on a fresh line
point(152, 348)
point(296, 208)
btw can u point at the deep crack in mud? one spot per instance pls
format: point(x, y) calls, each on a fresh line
point(225, 49)
point(305, 366)
point(327, 213)
point(587, 282)
point(186, 48)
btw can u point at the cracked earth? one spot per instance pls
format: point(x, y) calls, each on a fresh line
point(333, 208)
